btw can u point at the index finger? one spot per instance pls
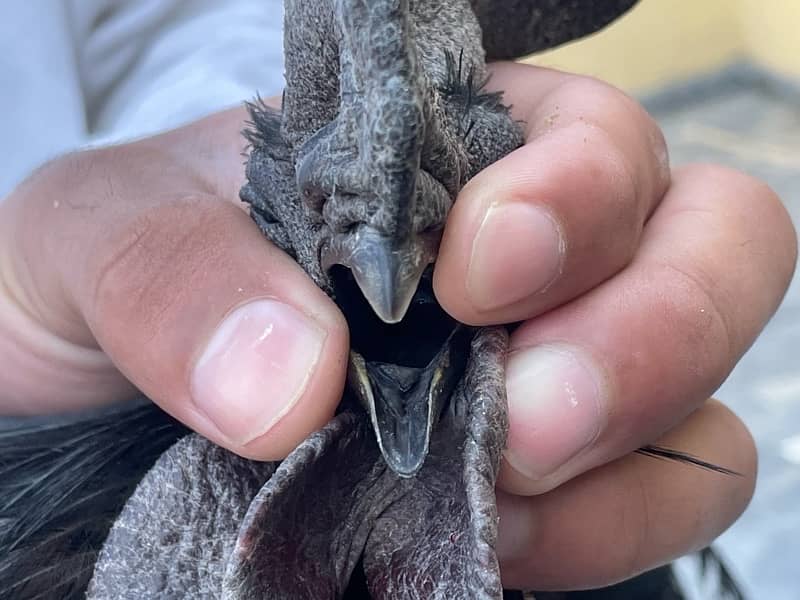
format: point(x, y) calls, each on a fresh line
point(559, 215)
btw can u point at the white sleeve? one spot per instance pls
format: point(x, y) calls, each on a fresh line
point(41, 101)
point(148, 65)
point(74, 72)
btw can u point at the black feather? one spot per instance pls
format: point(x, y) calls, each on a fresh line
point(727, 587)
point(62, 485)
point(263, 129)
point(462, 85)
point(684, 457)
point(463, 90)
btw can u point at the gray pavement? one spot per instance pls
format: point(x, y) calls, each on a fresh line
point(751, 121)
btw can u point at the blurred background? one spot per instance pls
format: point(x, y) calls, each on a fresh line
point(722, 77)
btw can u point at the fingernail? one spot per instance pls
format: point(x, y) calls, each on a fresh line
point(255, 368)
point(556, 407)
point(517, 252)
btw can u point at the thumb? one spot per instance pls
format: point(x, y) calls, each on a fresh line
point(183, 294)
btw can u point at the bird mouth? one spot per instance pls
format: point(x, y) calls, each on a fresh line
point(387, 270)
point(402, 373)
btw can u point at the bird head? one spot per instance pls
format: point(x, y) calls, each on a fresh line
point(370, 192)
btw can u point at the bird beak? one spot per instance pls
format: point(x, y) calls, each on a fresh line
point(404, 400)
point(405, 403)
point(388, 271)
point(378, 137)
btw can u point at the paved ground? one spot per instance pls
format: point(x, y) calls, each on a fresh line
point(752, 122)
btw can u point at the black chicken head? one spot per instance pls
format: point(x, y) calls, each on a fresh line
point(361, 199)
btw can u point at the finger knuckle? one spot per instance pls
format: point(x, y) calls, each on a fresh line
point(608, 103)
point(629, 125)
point(697, 316)
point(755, 214)
point(144, 265)
point(611, 198)
point(730, 178)
point(67, 172)
point(738, 185)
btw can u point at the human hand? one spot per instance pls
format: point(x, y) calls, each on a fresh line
point(136, 266)
point(99, 289)
point(639, 290)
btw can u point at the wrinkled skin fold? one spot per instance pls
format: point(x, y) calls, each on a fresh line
point(239, 529)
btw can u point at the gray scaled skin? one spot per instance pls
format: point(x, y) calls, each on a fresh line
point(384, 120)
point(202, 524)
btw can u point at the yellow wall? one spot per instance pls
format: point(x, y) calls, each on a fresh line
point(771, 31)
point(667, 40)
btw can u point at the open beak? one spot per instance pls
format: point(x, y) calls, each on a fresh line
point(384, 113)
point(405, 403)
point(405, 363)
point(387, 272)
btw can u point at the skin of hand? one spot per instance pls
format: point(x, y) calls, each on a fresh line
point(638, 289)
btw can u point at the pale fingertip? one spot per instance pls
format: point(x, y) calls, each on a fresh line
point(255, 368)
point(630, 515)
point(558, 407)
point(518, 251)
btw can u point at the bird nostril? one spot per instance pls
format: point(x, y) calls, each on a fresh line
point(344, 212)
point(351, 228)
point(314, 199)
